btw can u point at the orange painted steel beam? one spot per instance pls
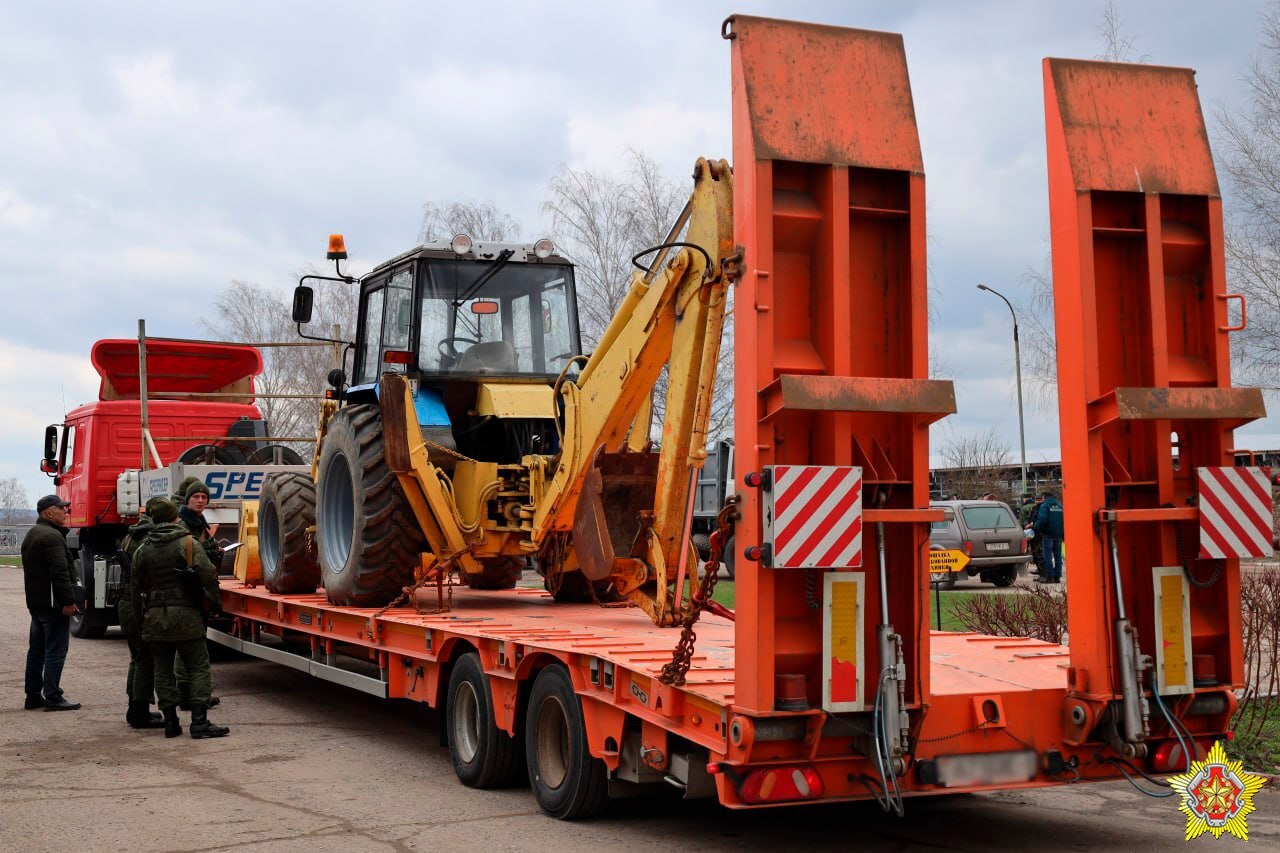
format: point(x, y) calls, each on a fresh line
point(830, 321)
point(933, 398)
point(1139, 300)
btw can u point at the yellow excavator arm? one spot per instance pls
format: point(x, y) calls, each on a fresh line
point(627, 509)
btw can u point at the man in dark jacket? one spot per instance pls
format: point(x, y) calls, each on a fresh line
point(140, 686)
point(47, 573)
point(1048, 524)
point(177, 583)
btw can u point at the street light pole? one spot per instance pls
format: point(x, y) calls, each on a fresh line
point(1017, 363)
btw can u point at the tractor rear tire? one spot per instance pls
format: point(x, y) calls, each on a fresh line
point(367, 534)
point(288, 554)
point(567, 780)
point(503, 573)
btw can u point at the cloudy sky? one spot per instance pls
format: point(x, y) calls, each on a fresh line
point(153, 152)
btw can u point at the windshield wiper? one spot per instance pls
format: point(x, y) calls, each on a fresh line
point(498, 263)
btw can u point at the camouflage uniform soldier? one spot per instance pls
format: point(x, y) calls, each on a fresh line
point(141, 684)
point(195, 497)
point(177, 581)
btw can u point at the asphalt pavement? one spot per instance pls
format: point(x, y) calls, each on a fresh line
point(311, 766)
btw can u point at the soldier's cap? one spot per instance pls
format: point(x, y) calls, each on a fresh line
point(151, 503)
point(162, 510)
point(196, 487)
point(50, 501)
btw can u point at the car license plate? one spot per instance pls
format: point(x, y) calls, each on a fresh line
point(997, 546)
point(993, 768)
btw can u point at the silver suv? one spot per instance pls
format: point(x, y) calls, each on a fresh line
point(988, 532)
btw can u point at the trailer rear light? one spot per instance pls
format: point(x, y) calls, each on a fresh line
point(968, 548)
point(781, 784)
point(397, 356)
point(1169, 757)
point(337, 248)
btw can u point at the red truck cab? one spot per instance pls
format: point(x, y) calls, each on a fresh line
point(101, 440)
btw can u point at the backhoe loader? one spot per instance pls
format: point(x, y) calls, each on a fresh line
point(476, 436)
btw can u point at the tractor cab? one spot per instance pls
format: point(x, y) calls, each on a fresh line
point(453, 310)
point(482, 331)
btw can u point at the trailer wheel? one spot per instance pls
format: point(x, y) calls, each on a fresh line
point(567, 780)
point(367, 532)
point(288, 554)
point(483, 755)
point(503, 573)
point(88, 626)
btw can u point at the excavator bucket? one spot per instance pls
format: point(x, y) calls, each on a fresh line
point(610, 518)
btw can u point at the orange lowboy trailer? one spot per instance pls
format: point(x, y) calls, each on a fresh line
point(829, 685)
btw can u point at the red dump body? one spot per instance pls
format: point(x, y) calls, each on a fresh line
point(104, 438)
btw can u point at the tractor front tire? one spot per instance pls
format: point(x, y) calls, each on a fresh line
point(287, 552)
point(368, 537)
point(502, 573)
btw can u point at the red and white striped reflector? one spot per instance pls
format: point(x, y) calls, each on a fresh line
point(813, 517)
point(1235, 512)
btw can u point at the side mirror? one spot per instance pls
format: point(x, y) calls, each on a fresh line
point(50, 444)
point(49, 466)
point(303, 299)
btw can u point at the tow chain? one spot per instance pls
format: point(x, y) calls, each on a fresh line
point(436, 575)
point(674, 672)
point(448, 451)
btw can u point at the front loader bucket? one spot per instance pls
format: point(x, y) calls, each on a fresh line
point(610, 518)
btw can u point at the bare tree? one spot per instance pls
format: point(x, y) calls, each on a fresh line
point(1116, 46)
point(975, 465)
point(601, 220)
point(1249, 156)
point(13, 501)
point(1039, 337)
point(478, 220)
point(249, 312)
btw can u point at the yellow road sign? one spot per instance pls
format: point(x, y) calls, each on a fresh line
point(947, 561)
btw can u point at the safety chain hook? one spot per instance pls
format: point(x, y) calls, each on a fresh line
point(674, 672)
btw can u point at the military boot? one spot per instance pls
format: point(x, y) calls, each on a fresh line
point(140, 716)
point(201, 727)
point(172, 728)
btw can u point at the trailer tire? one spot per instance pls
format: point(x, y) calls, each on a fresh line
point(503, 573)
point(286, 509)
point(368, 536)
point(88, 626)
point(567, 780)
point(483, 755)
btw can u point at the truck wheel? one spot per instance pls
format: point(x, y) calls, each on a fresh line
point(702, 544)
point(730, 555)
point(503, 573)
point(567, 780)
point(89, 623)
point(483, 755)
point(88, 626)
point(367, 532)
point(287, 509)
